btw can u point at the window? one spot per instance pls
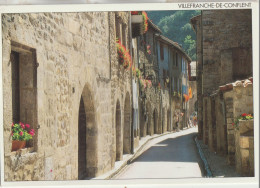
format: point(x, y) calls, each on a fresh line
point(124, 39)
point(241, 63)
point(24, 86)
point(161, 51)
point(118, 28)
point(15, 86)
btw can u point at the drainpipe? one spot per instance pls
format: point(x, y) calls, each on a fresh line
point(170, 97)
point(131, 78)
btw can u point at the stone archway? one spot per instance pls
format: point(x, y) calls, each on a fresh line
point(148, 125)
point(155, 121)
point(127, 125)
point(119, 145)
point(87, 136)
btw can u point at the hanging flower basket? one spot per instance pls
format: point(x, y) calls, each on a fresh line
point(144, 14)
point(124, 57)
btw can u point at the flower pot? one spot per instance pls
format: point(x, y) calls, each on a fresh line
point(17, 144)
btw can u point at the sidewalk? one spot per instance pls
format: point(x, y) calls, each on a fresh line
point(127, 158)
point(218, 164)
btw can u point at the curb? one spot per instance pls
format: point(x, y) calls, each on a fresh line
point(203, 158)
point(135, 155)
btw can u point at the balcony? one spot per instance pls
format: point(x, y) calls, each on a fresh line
point(137, 25)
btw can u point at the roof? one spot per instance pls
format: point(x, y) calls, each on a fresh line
point(193, 19)
point(174, 44)
point(239, 83)
point(155, 27)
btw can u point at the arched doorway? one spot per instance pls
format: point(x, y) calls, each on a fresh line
point(168, 120)
point(87, 136)
point(119, 149)
point(149, 126)
point(127, 125)
point(155, 121)
point(163, 120)
point(159, 122)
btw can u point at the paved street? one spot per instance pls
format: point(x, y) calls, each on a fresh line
point(171, 156)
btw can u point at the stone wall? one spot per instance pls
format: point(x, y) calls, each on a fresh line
point(197, 26)
point(227, 47)
point(244, 136)
point(152, 101)
point(228, 97)
point(75, 57)
point(221, 125)
point(120, 87)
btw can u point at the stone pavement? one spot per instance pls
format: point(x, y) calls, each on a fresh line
point(218, 164)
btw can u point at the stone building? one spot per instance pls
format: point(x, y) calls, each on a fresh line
point(224, 56)
point(61, 75)
point(149, 100)
point(174, 75)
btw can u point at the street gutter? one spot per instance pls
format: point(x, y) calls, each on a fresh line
point(203, 158)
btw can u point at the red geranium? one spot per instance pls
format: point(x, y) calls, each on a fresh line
point(124, 56)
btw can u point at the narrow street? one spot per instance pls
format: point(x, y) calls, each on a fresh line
point(171, 156)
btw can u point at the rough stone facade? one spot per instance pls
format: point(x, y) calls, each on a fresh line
point(150, 98)
point(224, 55)
point(227, 47)
point(71, 63)
point(244, 139)
point(63, 76)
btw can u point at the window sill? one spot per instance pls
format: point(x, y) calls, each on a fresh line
point(21, 152)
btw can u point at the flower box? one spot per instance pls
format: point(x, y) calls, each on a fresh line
point(137, 19)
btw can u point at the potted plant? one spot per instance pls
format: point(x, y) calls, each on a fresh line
point(148, 50)
point(243, 116)
point(138, 73)
point(20, 134)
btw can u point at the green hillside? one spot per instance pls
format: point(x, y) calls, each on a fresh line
point(176, 26)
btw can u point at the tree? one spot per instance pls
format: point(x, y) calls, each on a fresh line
point(190, 47)
point(176, 26)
